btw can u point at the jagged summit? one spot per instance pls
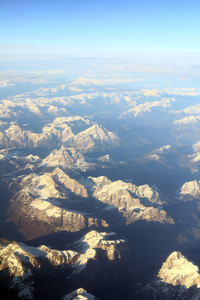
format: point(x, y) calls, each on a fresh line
point(175, 280)
point(95, 138)
point(134, 202)
point(177, 270)
point(104, 186)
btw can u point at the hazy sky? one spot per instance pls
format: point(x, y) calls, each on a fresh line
point(97, 28)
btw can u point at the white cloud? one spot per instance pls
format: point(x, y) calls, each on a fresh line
point(170, 91)
point(88, 81)
point(190, 120)
point(74, 89)
point(5, 83)
point(152, 93)
point(183, 92)
point(191, 110)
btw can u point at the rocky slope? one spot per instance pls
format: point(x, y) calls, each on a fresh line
point(20, 263)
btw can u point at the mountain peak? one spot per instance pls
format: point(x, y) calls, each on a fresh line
point(64, 157)
point(177, 270)
point(190, 190)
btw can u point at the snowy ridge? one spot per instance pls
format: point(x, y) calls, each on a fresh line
point(104, 187)
point(90, 242)
point(75, 132)
point(70, 184)
point(21, 260)
point(17, 261)
point(147, 107)
point(135, 202)
point(51, 198)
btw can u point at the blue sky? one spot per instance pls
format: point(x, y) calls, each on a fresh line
point(75, 28)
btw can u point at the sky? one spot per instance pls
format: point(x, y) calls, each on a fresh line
point(83, 28)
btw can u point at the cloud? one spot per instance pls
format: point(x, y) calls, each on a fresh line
point(89, 81)
point(190, 120)
point(6, 83)
point(151, 93)
point(170, 91)
point(192, 110)
point(149, 85)
point(183, 92)
point(51, 72)
point(74, 89)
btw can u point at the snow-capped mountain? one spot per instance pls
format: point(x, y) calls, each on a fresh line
point(49, 202)
point(177, 270)
point(189, 191)
point(178, 278)
point(135, 202)
point(22, 262)
point(70, 151)
point(67, 158)
point(95, 138)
